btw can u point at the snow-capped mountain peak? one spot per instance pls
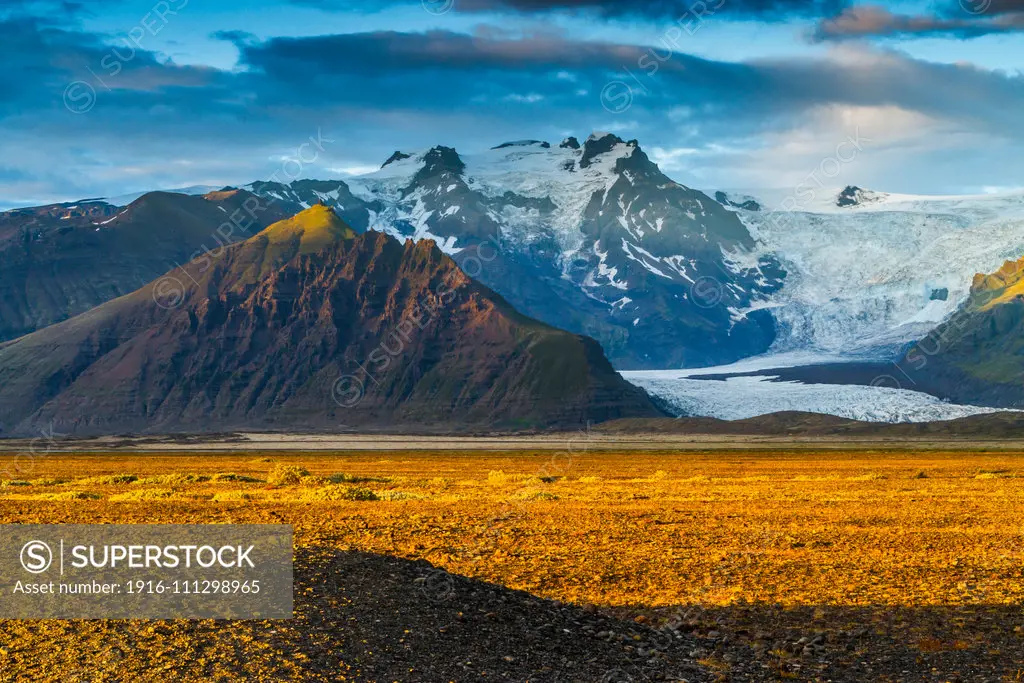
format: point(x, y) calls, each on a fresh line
point(593, 238)
point(852, 196)
point(397, 156)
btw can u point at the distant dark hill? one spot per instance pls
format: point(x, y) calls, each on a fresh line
point(992, 426)
point(308, 326)
point(784, 423)
point(53, 216)
point(61, 260)
point(794, 422)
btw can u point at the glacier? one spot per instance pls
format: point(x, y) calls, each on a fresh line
point(881, 274)
point(738, 398)
point(862, 281)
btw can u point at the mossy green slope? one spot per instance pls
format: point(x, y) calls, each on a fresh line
point(307, 232)
point(977, 355)
point(314, 229)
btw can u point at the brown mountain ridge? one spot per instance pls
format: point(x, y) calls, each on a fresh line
point(308, 326)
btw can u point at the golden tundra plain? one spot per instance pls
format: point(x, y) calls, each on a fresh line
point(924, 548)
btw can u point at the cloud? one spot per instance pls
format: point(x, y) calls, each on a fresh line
point(974, 20)
point(55, 12)
point(42, 62)
point(388, 51)
point(657, 10)
point(442, 69)
point(156, 123)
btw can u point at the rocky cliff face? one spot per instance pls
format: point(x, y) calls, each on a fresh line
point(62, 260)
point(308, 326)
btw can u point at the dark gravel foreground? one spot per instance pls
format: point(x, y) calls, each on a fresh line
point(408, 621)
point(372, 618)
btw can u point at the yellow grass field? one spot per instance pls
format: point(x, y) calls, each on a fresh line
point(924, 549)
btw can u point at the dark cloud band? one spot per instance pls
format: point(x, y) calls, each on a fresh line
point(659, 10)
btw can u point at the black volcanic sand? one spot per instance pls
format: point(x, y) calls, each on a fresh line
point(364, 617)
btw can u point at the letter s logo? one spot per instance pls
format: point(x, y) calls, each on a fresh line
point(36, 557)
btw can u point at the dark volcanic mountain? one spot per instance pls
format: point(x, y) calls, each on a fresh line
point(308, 326)
point(590, 237)
point(64, 259)
point(977, 355)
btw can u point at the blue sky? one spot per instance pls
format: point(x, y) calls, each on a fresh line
point(105, 97)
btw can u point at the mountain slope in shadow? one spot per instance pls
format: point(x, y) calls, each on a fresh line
point(62, 260)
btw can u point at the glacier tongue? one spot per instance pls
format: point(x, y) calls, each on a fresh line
point(861, 281)
point(738, 398)
point(885, 273)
